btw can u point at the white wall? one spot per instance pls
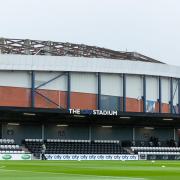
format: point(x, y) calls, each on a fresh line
point(134, 86)
point(152, 88)
point(58, 84)
point(15, 79)
point(79, 64)
point(111, 84)
point(165, 90)
point(84, 82)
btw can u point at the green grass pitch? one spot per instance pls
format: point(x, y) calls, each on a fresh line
point(89, 170)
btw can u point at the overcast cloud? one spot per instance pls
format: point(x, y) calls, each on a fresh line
point(150, 27)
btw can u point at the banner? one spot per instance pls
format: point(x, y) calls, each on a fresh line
point(79, 157)
point(9, 156)
point(150, 106)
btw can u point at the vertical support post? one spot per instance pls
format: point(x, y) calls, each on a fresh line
point(99, 90)
point(42, 132)
point(32, 89)
point(124, 92)
point(144, 93)
point(133, 134)
point(174, 134)
point(2, 130)
point(90, 132)
point(160, 95)
point(171, 95)
point(68, 90)
point(179, 96)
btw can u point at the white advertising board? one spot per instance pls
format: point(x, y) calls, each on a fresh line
point(9, 156)
point(91, 157)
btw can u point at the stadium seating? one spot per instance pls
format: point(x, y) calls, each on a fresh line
point(169, 147)
point(62, 146)
point(7, 141)
point(34, 146)
point(9, 146)
point(58, 146)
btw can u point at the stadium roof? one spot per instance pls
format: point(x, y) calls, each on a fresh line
point(34, 47)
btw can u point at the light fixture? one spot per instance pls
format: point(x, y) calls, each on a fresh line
point(29, 114)
point(62, 125)
point(150, 128)
point(167, 119)
point(13, 124)
point(106, 126)
point(125, 117)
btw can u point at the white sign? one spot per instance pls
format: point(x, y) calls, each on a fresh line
point(8, 156)
point(93, 112)
point(91, 157)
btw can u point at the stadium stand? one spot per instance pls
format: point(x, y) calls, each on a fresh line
point(57, 146)
point(67, 146)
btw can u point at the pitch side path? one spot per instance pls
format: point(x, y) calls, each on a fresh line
point(89, 170)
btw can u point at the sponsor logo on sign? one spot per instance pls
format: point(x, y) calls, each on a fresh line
point(15, 156)
point(25, 156)
point(91, 157)
point(7, 156)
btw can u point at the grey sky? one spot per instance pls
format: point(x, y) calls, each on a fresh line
point(150, 27)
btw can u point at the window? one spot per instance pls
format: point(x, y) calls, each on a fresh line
point(110, 102)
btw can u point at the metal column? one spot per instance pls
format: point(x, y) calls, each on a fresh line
point(179, 96)
point(174, 134)
point(42, 133)
point(144, 93)
point(32, 89)
point(171, 95)
point(124, 92)
point(99, 90)
point(90, 132)
point(160, 95)
point(133, 134)
point(68, 90)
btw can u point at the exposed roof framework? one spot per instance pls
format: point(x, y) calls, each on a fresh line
point(34, 47)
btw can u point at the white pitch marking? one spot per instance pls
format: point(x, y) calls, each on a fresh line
point(86, 175)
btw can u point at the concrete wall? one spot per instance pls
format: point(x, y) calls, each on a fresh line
point(163, 134)
point(70, 132)
point(51, 131)
point(18, 133)
point(114, 133)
